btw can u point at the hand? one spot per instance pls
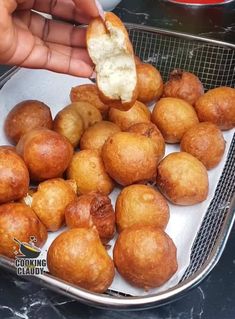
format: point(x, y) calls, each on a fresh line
point(27, 39)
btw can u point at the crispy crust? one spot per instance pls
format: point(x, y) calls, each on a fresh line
point(117, 103)
point(97, 28)
point(89, 93)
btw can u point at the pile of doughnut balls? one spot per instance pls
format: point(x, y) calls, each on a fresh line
point(61, 171)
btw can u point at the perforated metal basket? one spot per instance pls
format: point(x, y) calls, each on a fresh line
point(214, 63)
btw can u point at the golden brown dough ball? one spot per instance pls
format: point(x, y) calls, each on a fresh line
point(217, 106)
point(50, 200)
point(93, 209)
point(88, 112)
point(78, 256)
point(130, 158)
point(14, 176)
point(205, 141)
point(150, 130)
point(137, 60)
point(96, 135)
point(138, 113)
point(46, 153)
point(150, 84)
point(183, 85)
point(145, 256)
point(89, 93)
point(183, 179)
point(8, 147)
point(69, 123)
point(173, 117)
point(26, 116)
point(19, 221)
point(87, 169)
point(141, 205)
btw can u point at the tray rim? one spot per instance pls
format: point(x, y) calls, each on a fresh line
point(143, 302)
point(136, 303)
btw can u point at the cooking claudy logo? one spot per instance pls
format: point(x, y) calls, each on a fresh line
point(27, 259)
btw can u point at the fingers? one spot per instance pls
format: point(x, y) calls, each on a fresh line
point(58, 58)
point(51, 30)
point(87, 7)
point(76, 10)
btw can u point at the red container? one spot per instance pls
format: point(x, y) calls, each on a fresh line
point(200, 2)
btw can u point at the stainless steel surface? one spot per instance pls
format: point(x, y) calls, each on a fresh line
point(7, 75)
point(214, 63)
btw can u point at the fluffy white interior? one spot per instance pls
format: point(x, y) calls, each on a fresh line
point(115, 66)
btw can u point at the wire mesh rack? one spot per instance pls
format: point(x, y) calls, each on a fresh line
point(214, 62)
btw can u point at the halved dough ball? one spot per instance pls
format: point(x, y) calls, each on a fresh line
point(26, 116)
point(205, 141)
point(111, 51)
point(217, 106)
point(14, 176)
point(89, 93)
point(150, 84)
point(96, 135)
point(69, 123)
point(145, 256)
point(130, 158)
point(183, 179)
point(139, 113)
point(87, 169)
point(137, 60)
point(150, 130)
point(50, 200)
point(19, 221)
point(89, 113)
point(183, 85)
point(78, 256)
point(46, 153)
point(141, 205)
point(173, 117)
point(93, 209)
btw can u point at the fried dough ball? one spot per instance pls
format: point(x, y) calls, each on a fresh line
point(89, 113)
point(87, 169)
point(93, 209)
point(173, 117)
point(137, 60)
point(183, 179)
point(8, 147)
point(89, 93)
point(141, 205)
point(26, 116)
point(217, 106)
point(145, 256)
point(78, 256)
point(130, 158)
point(50, 200)
point(150, 130)
point(183, 85)
point(46, 153)
point(69, 123)
point(205, 141)
point(96, 135)
point(19, 221)
point(14, 176)
point(138, 113)
point(150, 84)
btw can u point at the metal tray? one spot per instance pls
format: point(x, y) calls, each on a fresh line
point(214, 62)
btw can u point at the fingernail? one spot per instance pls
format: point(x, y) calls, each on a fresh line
point(100, 9)
point(93, 76)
